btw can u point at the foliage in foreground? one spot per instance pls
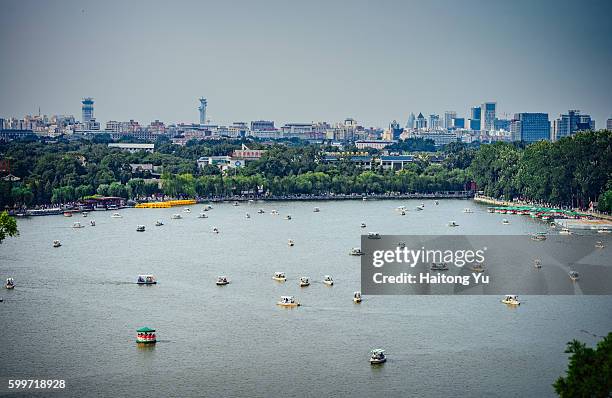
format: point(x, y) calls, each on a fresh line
point(589, 373)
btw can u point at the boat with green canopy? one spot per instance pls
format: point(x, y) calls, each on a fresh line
point(146, 335)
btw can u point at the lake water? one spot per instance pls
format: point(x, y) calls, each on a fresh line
point(75, 310)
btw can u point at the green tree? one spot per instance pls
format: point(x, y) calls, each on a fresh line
point(589, 372)
point(605, 201)
point(8, 226)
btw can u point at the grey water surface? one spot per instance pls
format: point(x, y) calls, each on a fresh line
point(75, 310)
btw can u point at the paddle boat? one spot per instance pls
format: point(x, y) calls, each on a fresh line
point(327, 280)
point(467, 210)
point(439, 267)
point(146, 335)
point(215, 230)
point(574, 276)
point(599, 245)
point(538, 236)
point(260, 211)
point(176, 216)
point(10, 283)
point(222, 281)
point(288, 217)
point(377, 356)
point(202, 215)
point(363, 225)
point(304, 281)
point(357, 297)
point(511, 299)
point(236, 204)
point(355, 251)
point(565, 231)
point(290, 242)
point(537, 263)
point(84, 214)
point(279, 277)
point(288, 301)
point(505, 221)
point(140, 228)
point(158, 223)
point(116, 215)
point(146, 280)
point(247, 215)
point(401, 244)
point(373, 235)
point(77, 225)
point(316, 210)
point(92, 223)
point(478, 267)
point(603, 231)
point(186, 210)
point(56, 243)
point(452, 224)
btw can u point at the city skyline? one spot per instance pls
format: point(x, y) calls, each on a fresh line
point(305, 62)
point(442, 122)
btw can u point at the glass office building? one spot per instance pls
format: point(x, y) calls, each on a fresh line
point(530, 127)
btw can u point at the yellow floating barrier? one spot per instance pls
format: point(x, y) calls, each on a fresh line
point(166, 204)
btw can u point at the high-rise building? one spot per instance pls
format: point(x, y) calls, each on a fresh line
point(487, 116)
point(448, 119)
point(609, 124)
point(395, 129)
point(475, 113)
point(421, 122)
point(458, 123)
point(530, 127)
point(474, 120)
point(434, 122)
point(113, 126)
point(501, 124)
point(87, 110)
point(572, 122)
point(411, 120)
point(202, 109)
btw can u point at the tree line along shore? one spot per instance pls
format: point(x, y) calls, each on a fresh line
point(574, 171)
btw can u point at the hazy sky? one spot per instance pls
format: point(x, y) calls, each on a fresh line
point(304, 60)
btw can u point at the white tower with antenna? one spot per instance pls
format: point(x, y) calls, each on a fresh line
point(202, 109)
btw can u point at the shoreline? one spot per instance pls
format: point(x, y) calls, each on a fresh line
point(59, 210)
point(497, 202)
point(320, 198)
